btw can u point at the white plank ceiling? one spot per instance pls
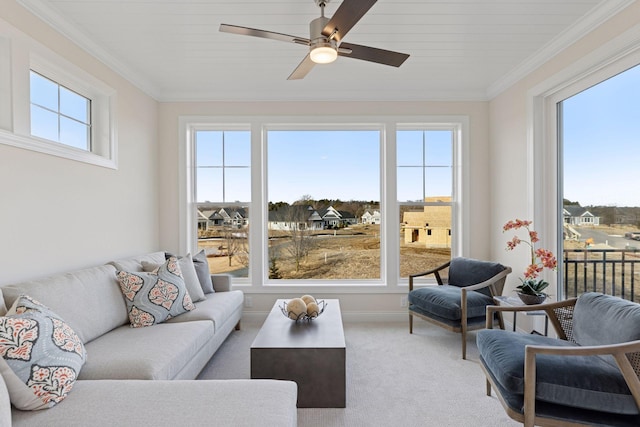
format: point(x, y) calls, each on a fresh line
point(460, 49)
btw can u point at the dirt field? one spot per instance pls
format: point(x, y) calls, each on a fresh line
point(352, 253)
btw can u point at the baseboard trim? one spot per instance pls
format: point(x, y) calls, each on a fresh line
point(347, 316)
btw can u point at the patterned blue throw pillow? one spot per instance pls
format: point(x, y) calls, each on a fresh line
point(153, 297)
point(41, 355)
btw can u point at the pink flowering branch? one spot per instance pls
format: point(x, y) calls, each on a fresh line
point(540, 258)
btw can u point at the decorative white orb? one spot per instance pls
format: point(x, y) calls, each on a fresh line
point(296, 308)
point(312, 309)
point(307, 299)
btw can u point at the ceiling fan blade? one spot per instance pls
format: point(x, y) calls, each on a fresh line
point(246, 31)
point(302, 69)
point(366, 53)
point(347, 15)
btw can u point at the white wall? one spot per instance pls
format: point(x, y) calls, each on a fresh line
point(58, 214)
point(511, 135)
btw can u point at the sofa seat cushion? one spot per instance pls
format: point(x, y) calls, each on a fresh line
point(5, 405)
point(133, 403)
point(445, 301)
point(89, 300)
point(218, 307)
point(586, 382)
point(158, 352)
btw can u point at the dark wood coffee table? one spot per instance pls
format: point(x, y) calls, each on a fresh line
point(310, 353)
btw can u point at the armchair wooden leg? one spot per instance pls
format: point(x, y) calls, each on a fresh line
point(488, 388)
point(238, 326)
point(410, 323)
point(463, 321)
point(464, 343)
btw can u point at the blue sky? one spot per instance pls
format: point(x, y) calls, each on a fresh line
point(601, 149)
point(323, 164)
point(58, 114)
point(601, 139)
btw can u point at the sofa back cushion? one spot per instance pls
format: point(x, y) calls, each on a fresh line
point(89, 300)
point(604, 319)
point(134, 264)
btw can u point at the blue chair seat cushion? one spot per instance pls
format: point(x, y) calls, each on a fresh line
point(445, 300)
point(586, 382)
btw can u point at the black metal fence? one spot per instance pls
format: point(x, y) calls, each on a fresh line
point(610, 271)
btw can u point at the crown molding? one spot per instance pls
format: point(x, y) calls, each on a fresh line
point(62, 25)
point(596, 17)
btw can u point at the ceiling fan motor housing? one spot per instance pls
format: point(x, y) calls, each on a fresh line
point(315, 33)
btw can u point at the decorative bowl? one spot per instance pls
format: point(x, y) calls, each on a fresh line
point(304, 316)
point(531, 299)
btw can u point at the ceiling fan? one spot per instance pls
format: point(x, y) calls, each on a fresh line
point(325, 39)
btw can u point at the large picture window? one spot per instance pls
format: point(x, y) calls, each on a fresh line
point(320, 184)
point(321, 203)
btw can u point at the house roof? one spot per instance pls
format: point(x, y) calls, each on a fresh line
point(575, 211)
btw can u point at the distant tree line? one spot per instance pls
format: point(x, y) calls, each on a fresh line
point(356, 207)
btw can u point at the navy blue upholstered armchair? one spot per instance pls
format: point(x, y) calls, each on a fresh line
point(459, 304)
point(588, 375)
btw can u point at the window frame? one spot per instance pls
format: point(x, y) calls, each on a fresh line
point(543, 145)
point(21, 54)
point(390, 281)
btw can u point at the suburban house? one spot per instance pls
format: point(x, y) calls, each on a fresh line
point(577, 215)
point(295, 217)
point(333, 218)
point(430, 227)
point(235, 218)
point(164, 101)
point(371, 217)
point(302, 217)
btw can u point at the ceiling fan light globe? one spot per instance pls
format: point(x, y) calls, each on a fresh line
point(323, 54)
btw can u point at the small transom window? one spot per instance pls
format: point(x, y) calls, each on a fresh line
point(59, 114)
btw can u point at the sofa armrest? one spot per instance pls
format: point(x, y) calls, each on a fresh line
point(622, 353)
point(221, 282)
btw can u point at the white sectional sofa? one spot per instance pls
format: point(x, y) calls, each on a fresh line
point(146, 375)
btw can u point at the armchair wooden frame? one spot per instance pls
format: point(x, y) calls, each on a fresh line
point(560, 314)
point(495, 285)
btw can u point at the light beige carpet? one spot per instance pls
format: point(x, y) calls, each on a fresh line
point(393, 378)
